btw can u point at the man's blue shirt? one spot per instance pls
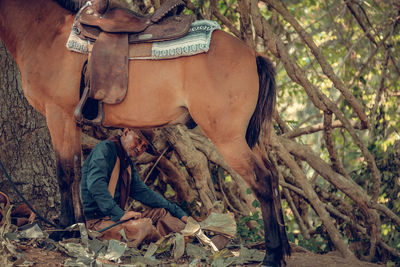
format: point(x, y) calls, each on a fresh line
point(97, 200)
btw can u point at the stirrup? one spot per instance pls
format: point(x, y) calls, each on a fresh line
point(80, 119)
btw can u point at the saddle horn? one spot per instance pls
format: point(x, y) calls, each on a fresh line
point(100, 6)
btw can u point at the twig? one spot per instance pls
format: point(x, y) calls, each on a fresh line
point(155, 164)
point(360, 22)
point(349, 53)
point(313, 179)
point(379, 94)
point(223, 19)
point(292, 188)
point(385, 210)
point(316, 128)
point(393, 251)
point(282, 124)
point(245, 22)
point(327, 133)
point(226, 198)
point(302, 226)
point(365, 28)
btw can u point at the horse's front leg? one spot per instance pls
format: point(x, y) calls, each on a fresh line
point(66, 138)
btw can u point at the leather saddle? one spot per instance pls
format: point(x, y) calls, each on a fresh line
point(110, 31)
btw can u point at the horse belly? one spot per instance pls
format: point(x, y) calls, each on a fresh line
point(122, 115)
point(154, 96)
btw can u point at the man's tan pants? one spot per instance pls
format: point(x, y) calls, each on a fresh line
point(153, 224)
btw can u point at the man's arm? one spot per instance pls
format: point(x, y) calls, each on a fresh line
point(131, 215)
point(141, 192)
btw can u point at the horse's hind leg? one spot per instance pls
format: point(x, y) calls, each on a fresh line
point(276, 241)
point(244, 161)
point(66, 138)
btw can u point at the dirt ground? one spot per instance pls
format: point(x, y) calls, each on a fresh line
point(308, 259)
point(42, 258)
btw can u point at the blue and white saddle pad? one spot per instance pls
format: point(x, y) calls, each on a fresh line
point(196, 41)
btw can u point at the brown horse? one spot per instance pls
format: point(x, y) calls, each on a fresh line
point(229, 92)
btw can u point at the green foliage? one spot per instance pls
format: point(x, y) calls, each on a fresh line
point(250, 234)
point(317, 244)
point(249, 227)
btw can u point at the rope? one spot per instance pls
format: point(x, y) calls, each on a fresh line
point(112, 225)
point(23, 198)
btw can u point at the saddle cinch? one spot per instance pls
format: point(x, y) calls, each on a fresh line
point(110, 31)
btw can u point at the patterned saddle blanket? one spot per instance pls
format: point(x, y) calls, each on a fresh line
point(195, 42)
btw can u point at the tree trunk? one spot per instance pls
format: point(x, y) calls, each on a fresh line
point(25, 145)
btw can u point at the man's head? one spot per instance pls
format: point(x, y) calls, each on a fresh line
point(133, 142)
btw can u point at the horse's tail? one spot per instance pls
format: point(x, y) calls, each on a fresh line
point(265, 103)
point(262, 119)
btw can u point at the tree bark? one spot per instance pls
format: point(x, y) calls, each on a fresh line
point(25, 145)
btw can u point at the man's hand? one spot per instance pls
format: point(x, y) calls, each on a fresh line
point(131, 215)
point(184, 219)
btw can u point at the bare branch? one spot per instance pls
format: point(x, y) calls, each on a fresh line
point(223, 19)
point(299, 220)
point(316, 128)
point(336, 163)
point(379, 92)
point(196, 163)
point(312, 197)
point(385, 210)
point(245, 22)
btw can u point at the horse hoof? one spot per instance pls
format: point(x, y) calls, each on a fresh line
point(270, 261)
point(60, 235)
point(271, 264)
